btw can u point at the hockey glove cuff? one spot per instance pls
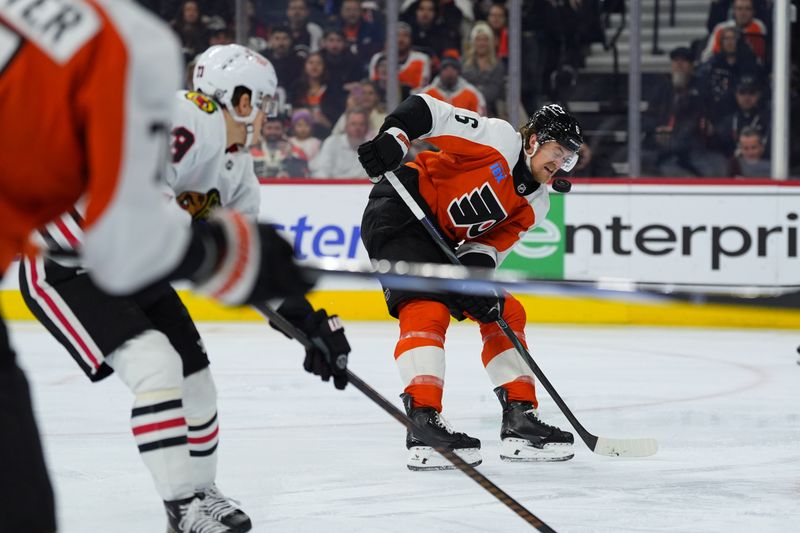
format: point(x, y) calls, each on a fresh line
point(385, 152)
point(247, 262)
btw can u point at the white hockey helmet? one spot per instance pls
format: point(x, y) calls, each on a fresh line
point(222, 68)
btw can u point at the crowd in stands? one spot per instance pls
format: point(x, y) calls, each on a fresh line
point(332, 73)
point(713, 117)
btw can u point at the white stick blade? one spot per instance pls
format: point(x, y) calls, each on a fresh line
point(626, 447)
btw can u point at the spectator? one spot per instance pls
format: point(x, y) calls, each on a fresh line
point(752, 29)
point(274, 156)
point(498, 21)
point(311, 91)
point(382, 82)
point(218, 33)
point(301, 134)
point(720, 75)
point(679, 138)
point(190, 29)
point(341, 65)
point(450, 87)
point(364, 37)
point(288, 64)
point(748, 161)
point(306, 35)
point(338, 157)
point(364, 96)
point(482, 68)
point(749, 113)
point(414, 67)
point(430, 35)
point(720, 11)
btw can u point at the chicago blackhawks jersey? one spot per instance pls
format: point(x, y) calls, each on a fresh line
point(85, 95)
point(478, 186)
point(206, 173)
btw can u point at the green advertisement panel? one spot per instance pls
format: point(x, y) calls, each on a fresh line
point(540, 253)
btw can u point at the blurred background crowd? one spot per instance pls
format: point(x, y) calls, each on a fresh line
point(705, 84)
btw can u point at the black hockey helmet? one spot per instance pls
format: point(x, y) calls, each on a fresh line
point(553, 123)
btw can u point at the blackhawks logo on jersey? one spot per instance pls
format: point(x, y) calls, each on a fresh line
point(199, 204)
point(202, 101)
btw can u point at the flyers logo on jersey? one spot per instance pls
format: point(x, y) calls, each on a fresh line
point(479, 210)
point(202, 101)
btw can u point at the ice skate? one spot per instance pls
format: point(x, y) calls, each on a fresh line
point(189, 516)
point(423, 457)
point(525, 438)
point(225, 510)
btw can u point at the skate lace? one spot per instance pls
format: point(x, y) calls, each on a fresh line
point(217, 504)
point(195, 520)
point(442, 422)
point(534, 413)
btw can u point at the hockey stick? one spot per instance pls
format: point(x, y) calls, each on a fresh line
point(599, 445)
point(429, 438)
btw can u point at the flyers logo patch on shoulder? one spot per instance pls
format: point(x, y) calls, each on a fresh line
point(202, 101)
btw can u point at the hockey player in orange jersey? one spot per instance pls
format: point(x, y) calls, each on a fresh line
point(484, 189)
point(95, 83)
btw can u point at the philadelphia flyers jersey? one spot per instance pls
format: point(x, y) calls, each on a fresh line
point(204, 173)
point(470, 184)
point(86, 94)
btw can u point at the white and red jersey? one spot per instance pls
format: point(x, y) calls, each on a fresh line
point(472, 185)
point(204, 172)
point(85, 97)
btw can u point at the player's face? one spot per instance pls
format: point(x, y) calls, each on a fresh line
point(548, 159)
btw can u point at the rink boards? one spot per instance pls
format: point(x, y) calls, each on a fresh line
point(722, 233)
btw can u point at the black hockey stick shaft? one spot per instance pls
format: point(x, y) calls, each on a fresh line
point(287, 327)
point(435, 234)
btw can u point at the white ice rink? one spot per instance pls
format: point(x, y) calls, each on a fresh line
point(303, 457)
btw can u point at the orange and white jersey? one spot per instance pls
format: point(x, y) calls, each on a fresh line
point(415, 71)
point(204, 173)
point(463, 95)
point(86, 95)
point(470, 185)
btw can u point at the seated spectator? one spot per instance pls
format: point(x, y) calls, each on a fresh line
point(274, 156)
point(306, 35)
point(748, 161)
point(191, 30)
point(219, 33)
point(721, 74)
point(483, 69)
point(288, 64)
point(749, 112)
point(341, 64)
point(311, 91)
point(338, 157)
point(364, 96)
point(753, 30)
point(430, 34)
point(720, 11)
point(301, 137)
point(679, 141)
point(382, 83)
point(414, 67)
point(498, 21)
point(364, 37)
point(450, 87)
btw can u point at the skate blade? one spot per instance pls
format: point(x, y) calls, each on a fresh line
point(522, 451)
point(421, 458)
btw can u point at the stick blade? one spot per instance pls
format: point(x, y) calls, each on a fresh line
point(626, 447)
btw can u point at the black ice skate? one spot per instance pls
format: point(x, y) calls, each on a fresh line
point(526, 438)
point(225, 510)
point(188, 516)
point(424, 457)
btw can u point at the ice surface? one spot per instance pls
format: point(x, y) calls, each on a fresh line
point(302, 456)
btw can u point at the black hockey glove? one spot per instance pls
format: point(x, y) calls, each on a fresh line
point(329, 356)
point(486, 309)
point(383, 153)
point(243, 262)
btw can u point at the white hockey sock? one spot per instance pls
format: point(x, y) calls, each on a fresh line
point(153, 371)
point(200, 405)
